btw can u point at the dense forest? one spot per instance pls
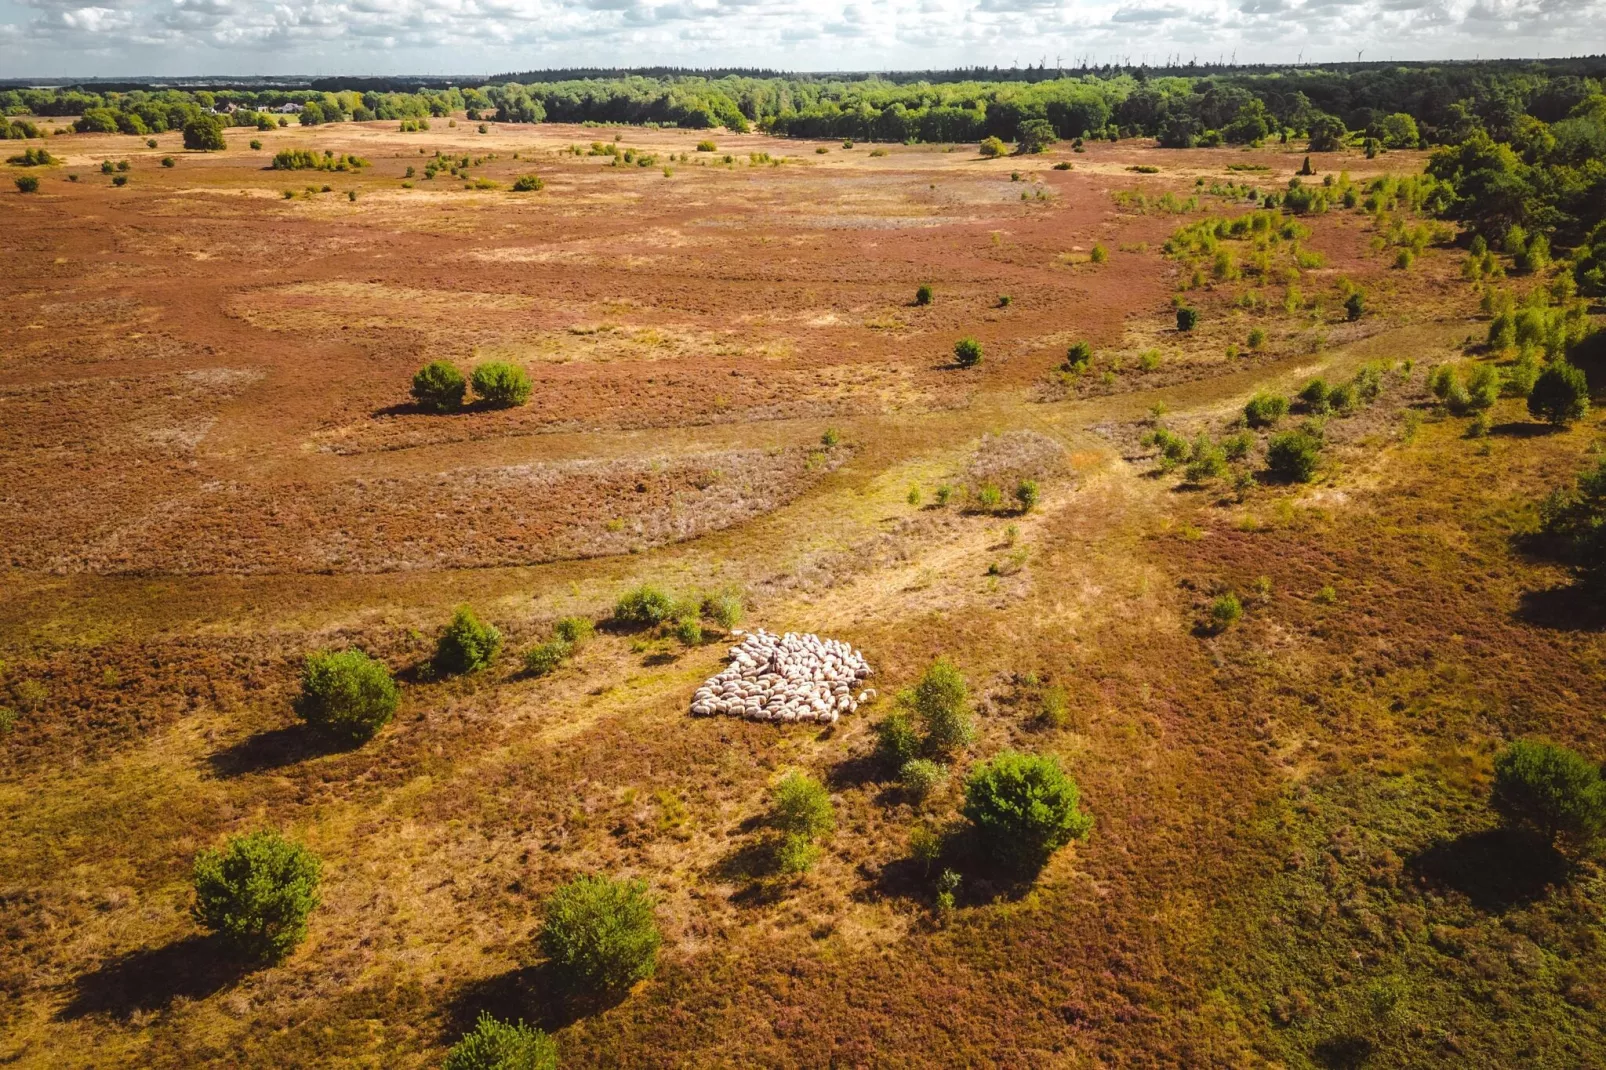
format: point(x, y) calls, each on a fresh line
point(1522, 145)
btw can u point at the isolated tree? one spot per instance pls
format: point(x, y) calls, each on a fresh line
point(1560, 395)
point(1034, 135)
point(204, 132)
point(439, 387)
point(256, 894)
point(502, 385)
point(1023, 808)
point(467, 645)
point(1551, 790)
point(498, 1045)
point(1327, 133)
point(600, 935)
point(941, 702)
point(991, 146)
point(800, 812)
point(1187, 318)
point(346, 695)
point(967, 352)
point(1294, 455)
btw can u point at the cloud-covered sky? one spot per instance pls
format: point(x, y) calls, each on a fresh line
point(110, 38)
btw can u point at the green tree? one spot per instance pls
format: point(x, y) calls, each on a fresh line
point(1027, 495)
point(600, 935)
point(256, 894)
point(1034, 135)
point(1560, 395)
point(644, 607)
point(1024, 808)
point(346, 695)
point(941, 701)
point(991, 146)
point(497, 1045)
point(1187, 318)
point(1294, 455)
point(502, 385)
point(1552, 790)
point(439, 387)
point(467, 645)
point(1265, 409)
point(967, 352)
point(204, 132)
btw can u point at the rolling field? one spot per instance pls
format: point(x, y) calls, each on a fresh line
point(210, 466)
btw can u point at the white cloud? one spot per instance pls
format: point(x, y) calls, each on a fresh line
point(172, 37)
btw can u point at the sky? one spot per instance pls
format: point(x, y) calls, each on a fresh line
point(126, 38)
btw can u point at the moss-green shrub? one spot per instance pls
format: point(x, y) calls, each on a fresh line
point(1265, 409)
point(1187, 318)
point(897, 740)
point(644, 607)
point(1225, 611)
point(498, 1045)
point(991, 147)
point(545, 657)
point(1027, 495)
point(600, 935)
point(204, 132)
point(576, 631)
point(1553, 791)
point(724, 609)
point(923, 295)
point(967, 352)
point(941, 702)
point(439, 387)
point(1560, 395)
point(921, 776)
point(501, 385)
point(27, 183)
point(256, 894)
point(346, 695)
point(1024, 808)
point(467, 645)
point(1293, 456)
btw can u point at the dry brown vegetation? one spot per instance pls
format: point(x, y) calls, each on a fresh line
point(209, 467)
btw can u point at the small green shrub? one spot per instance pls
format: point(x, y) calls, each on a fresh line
point(991, 147)
point(800, 805)
point(830, 437)
point(1225, 611)
point(1187, 318)
point(1552, 790)
point(439, 387)
point(1294, 456)
point(921, 776)
point(707, 146)
point(644, 607)
point(256, 894)
point(1055, 711)
point(1257, 338)
point(1099, 254)
point(168, 161)
point(1078, 356)
point(897, 741)
point(1027, 495)
point(1560, 395)
point(967, 352)
point(1237, 447)
point(528, 184)
point(1354, 306)
point(546, 657)
point(794, 854)
point(923, 295)
point(467, 645)
point(989, 498)
point(502, 385)
point(204, 132)
point(724, 610)
point(941, 701)
point(497, 1045)
point(1265, 409)
point(27, 183)
point(1206, 460)
point(256, 146)
point(576, 631)
point(689, 630)
point(346, 695)
point(600, 935)
point(120, 181)
point(1024, 808)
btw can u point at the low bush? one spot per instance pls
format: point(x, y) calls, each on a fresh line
point(921, 776)
point(941, 702)
point(204, 132)
point(724, 610)
point(545, 657)
point(689, 630)
point(1225, 611)
point(168, 161)
point(1024, 808)
point(1294, 456)
point(600, 935)
point(1099, 254)
point(1206, 460)
point(1553, 791)
point(27, 183)
point(501, 385)
point(1187, 318)
point(1257, 338)
point(1265, 409)
point(991, 147)
point(346, 695)
point(1560, 395)
point(707, 146)
point(32, 158)
point(967, 352)
point(1027, 495)
point(528, 184)
point(498, 1045)
point(576, 631)
point(1354, 306)
point(897, 740)
point(439, 387)
point(923, 295)
point(644, 607)
point(467, 645)
point(256, 894)
point(1078, 357)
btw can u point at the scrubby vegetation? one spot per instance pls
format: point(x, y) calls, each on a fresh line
point(501, 385)
point(439, 387)
point(467, 645)
point(600, 935)
point(497, 1045)
point(257, 893)
point(346, 695)
point(1024, 808)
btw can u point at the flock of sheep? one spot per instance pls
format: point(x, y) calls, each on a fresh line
point(787, 677)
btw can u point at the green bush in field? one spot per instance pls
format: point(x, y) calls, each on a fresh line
point(1294, 455)
point(644, 607)
point(256, 894)
point(1552, 790)
point(1078, 357)
point(991, 147)
point(1560, 395)
point(1027, 495)
point(1206, 460)
point(545, 657)
point(439, 387)
point(920, 776)
point(1226, 611)
point(204, 132)
point(801, 812)
point(528, 184)
point(967, 352)
point(27, 183)
point(897, 740)
point(600, 935)
point(923, 295)
point(497, 1045)
point(941, 702)
point(467, 645)
point(1187, 318)
point(576, 631)
point(346, 695)
point(1265, 409)
point(724, 610)
point(501, 384)
point(1024, 808)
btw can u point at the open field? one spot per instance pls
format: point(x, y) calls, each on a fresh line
point(210, 466)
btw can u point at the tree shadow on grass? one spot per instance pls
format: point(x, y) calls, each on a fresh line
point(1570, 609)
point(273, 749)
point(1496, 869)
point(152, 978)
point(1348, 1051)
point(982, 880)
point(532, 994)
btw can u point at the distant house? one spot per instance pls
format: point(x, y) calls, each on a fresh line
point(288, 109)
